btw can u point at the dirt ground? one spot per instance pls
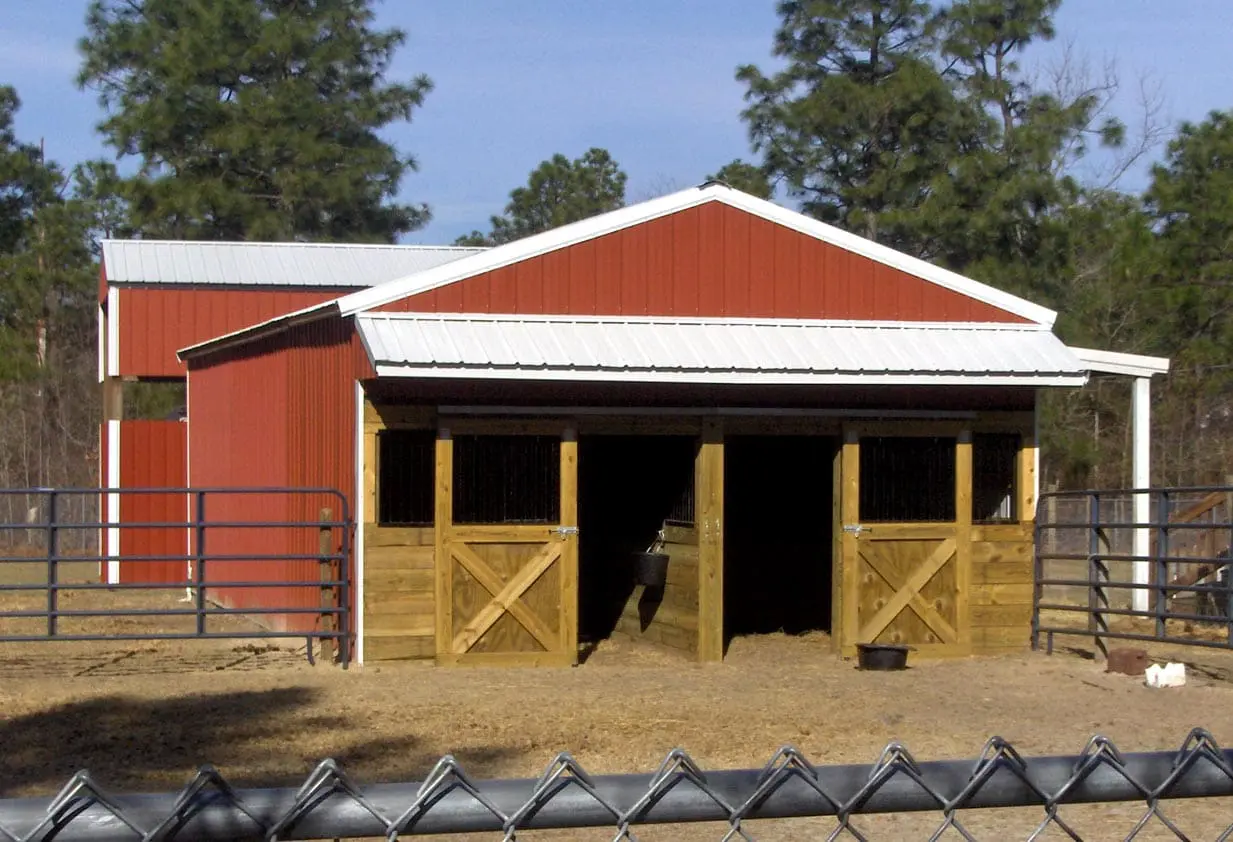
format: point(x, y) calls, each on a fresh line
point(143, 716)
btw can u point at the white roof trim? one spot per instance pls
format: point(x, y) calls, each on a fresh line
point(1116, 362)
point(727, 378)
point(508, 318)
point(714, 351)
point(612, 221)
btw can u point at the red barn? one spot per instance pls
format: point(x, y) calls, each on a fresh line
point(157, 296)
point(696, 417)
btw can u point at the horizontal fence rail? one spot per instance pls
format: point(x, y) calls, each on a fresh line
point(244, 573)
point(1138, 564)
point(330, 805)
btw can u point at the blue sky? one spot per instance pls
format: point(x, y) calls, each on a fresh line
point(651, 80)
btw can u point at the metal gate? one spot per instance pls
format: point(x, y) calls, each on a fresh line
point(1101, 572)
point(244, 576)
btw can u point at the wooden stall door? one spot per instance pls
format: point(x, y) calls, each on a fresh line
point(507, 594)
point(907, 583)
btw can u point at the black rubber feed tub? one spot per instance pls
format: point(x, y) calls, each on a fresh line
point(881, 656)
point(651, 569)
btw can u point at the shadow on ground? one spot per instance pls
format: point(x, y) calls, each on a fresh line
point(255, 738)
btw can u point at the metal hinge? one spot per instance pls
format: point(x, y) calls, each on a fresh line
point(565, 530)
point(853, 528)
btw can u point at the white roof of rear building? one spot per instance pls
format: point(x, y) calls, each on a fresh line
point(339, 265)
point(782, 352)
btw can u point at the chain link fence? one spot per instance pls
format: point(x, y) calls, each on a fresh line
point(330, 805)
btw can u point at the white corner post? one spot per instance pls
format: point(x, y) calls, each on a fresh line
point(1141, 470)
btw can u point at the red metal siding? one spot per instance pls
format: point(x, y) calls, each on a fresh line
point(321, 429)
point(279, 412)
point(715, 261)
point(155, 322)
point(152, 455)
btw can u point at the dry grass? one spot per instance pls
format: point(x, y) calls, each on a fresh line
point(142, 717)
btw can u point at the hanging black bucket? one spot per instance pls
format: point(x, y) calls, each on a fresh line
point(880, 656)
point(651, 569)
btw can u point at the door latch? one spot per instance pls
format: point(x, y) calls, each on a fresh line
point(565, 530)
point(853, 528)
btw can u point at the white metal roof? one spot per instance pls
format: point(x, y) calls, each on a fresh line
point(272, 264)
point(1116, 362)
point(626, 217)
point(714, 351)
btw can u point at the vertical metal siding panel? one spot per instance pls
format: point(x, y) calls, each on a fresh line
point(736, 262)
point(710, 261)
point(685, 235)
point(811, 292)
point(503, 291)
point(556, 282)
point(633, 278)
point(448, 299)
point(787, 274)
point(912, 295)
point(934, 307)
point(152, 455)
point(582, 279)
point(761, 268)
point(659, 267)
point(608, 275)
point(837, 283)
point(860, 287)
point(475, 293)
point(529, 286)
point(885, 293)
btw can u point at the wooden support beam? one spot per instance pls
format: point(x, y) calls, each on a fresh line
point(568, 616)
point(837, 595)
point(963, 537)
point(370, 476)
point(709, 516)
point(442, 519)
point(113, 399)
point(850, 459)
point(1025, 479)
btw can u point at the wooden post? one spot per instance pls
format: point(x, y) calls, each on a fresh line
point(963, 537)
point(709, 514)
point(442, 521)
point(329, 594)
point(837, 598)
point(851, 515)
point(568, 616)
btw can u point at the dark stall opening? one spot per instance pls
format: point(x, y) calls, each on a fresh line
point(778, 534)
point(629, 488)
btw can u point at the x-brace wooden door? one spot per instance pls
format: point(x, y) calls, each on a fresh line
point(507, 593)
point(907, 583)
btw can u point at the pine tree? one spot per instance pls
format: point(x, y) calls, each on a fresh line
point(746, 177)
point(253, 119)
point(559, 191)
point(860, 122)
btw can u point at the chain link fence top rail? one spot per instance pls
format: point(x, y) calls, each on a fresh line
point(329, 805)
